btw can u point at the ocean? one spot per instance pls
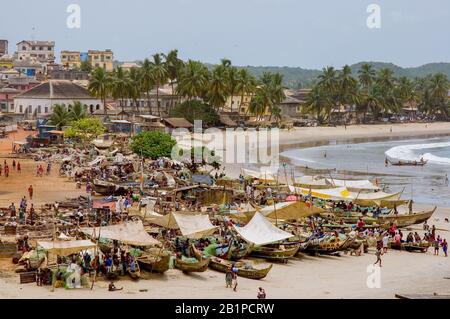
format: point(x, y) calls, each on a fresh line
point(361, 160)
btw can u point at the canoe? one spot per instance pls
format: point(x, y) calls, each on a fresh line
point(223, 265)
point(199, 266)
point(108, 188)
point(412, 247)
point(321, 247)
point(275, 253)
point(136, 274)
point(236, 253)
point(405, 220)
point(151, 262)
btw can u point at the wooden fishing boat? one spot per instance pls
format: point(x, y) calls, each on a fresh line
point(108, 188)
point(324, 247)
point(277, 253)
point(104, 188)
point(404, 220)
point(412, 247)
point(408, 163)
point(236, 253)
point(243, 271)
point(154, 262)
point(136, 273)
point(199, 266)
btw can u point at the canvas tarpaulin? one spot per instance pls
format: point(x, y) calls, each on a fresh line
point(355, 184)
point(190, 225)
point(290, 210)
point(261, 175)
point(342, 193)
point(260, 231)
point(66, 248)
point(131, 233)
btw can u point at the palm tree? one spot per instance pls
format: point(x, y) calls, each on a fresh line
point(77, 111)
point(60, 116)
point(329, 84)
point(246, 84)
point(100, 85)
point(366, 75)
point(217, 87)
point(174, 65)
point(193, 80)
point(439, 86)
point(134, 88)
point(147, 81)
point(406, 91)
point(319, 103)
point(160, 76)
point(120, 85)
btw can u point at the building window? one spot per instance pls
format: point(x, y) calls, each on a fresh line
point(46, 109)
point(97, 107)
point(30, 109)
point(21, 109)
point(39, 110)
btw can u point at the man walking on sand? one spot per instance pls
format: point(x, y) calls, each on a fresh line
point(30, 191)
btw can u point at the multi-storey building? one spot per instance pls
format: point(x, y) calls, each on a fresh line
point(71, 59)
point(3, 47)
point(42, 51)
point(101, 59)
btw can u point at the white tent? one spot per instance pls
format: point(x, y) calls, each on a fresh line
point(131, 233)
point(354, 184)
point(190, 225)
point(260, 231)
point(66, 248)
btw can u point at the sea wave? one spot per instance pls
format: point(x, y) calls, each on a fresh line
point(405, 153)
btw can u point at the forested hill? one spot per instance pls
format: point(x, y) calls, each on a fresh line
point(298, 77)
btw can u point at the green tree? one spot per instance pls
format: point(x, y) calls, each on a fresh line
point(86, 66)
point(60, 116)
point(160, 76)
point(246, 85)
point(174, 66)
point(77, 111)
point(217, 87)
point(318, 103)
point(100, 85)
point(193, 80)
point(147, 81)
point(196, 110)
point(153, 144)
point(120, 86)
point(85, 130)
point(134, 87)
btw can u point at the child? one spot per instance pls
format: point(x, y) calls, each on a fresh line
point(444, 247)
point(378, 254)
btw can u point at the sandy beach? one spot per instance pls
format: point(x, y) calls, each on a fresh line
point(304, 277)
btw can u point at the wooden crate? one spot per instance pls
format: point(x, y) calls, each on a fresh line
point(28, 277)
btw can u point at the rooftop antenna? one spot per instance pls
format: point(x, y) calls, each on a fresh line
point(33, 35)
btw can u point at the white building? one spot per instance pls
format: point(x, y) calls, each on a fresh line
point(43, 51)
point(40, 100)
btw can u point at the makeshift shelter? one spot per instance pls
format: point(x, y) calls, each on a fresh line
point(290, 210)
point(263, 176)
point(342, 193)
point(355, 185)
point(190, 225)
point(260, 231)
point(65, 248)
point(131, 233)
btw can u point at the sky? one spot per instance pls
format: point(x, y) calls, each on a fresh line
point(308, 34)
